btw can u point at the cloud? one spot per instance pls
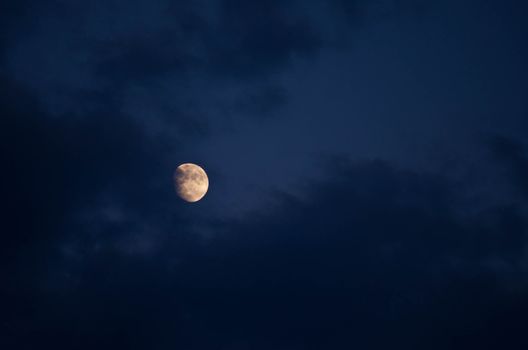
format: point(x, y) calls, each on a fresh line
point(96, 253)
point(78, 56)
point(57, 167)
point(362, 259)
point(369, 254)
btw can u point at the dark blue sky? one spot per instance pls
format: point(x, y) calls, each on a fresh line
point(368, 163)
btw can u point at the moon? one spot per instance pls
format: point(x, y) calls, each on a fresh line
point(191, 182)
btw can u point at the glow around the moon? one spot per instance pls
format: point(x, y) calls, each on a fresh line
point(191, 182)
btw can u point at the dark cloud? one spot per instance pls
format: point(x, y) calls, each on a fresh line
point(100, 100)
point(56, 167)
point(60, 181)
point(77, 53)
point(259, 37)
point(361, 260)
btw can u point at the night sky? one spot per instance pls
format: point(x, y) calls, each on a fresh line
point(367, 159)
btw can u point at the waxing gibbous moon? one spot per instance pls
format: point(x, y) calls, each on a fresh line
point(191, 182)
